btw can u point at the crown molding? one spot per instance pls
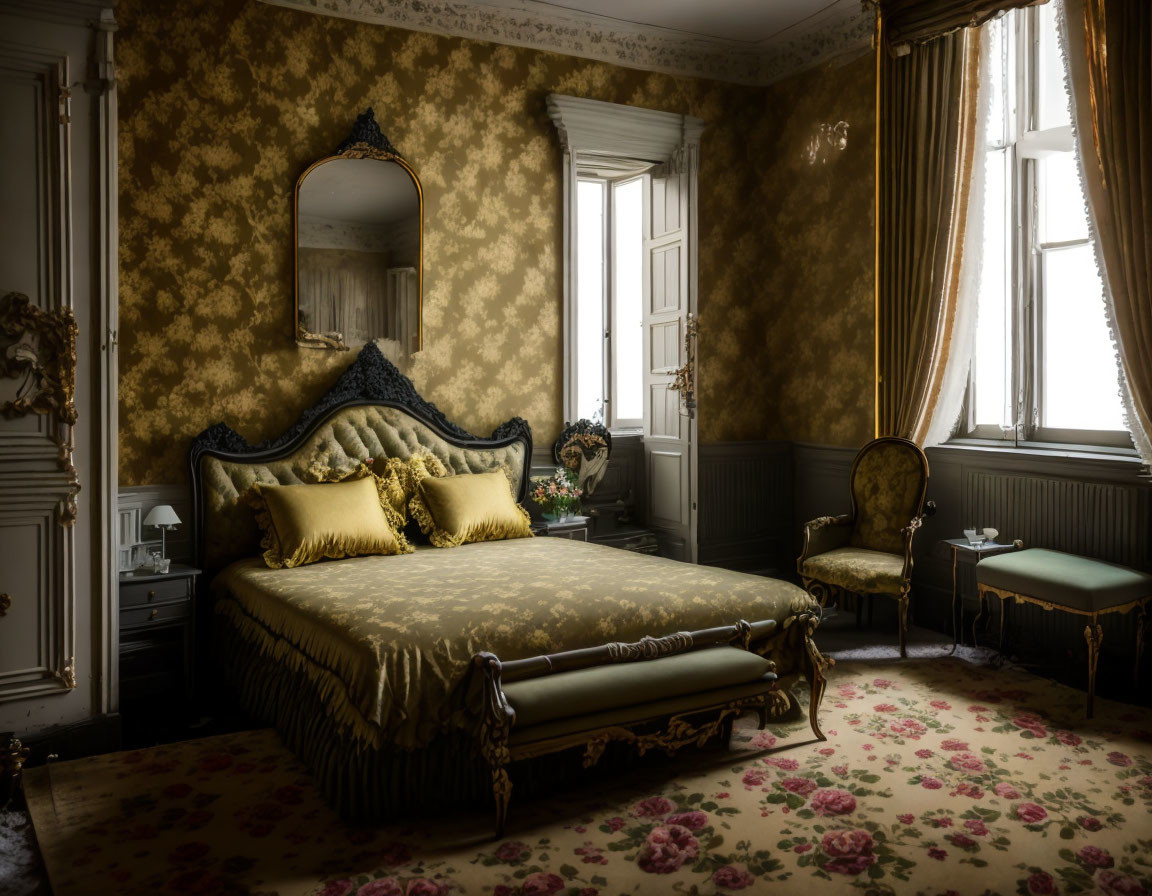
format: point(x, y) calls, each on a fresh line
point(838, 29)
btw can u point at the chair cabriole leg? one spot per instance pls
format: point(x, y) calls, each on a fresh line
point(502, 791)
point(902, 624)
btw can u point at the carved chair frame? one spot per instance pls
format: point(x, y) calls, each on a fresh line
point(823, 591)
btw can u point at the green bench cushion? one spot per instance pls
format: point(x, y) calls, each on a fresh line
point(588, 691)
point(628, 715)
point(1066, 579)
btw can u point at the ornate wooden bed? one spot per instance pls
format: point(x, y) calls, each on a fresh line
point(364, 665)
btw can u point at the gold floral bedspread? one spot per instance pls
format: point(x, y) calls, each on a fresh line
point(388, 640)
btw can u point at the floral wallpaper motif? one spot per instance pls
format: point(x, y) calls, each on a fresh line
point(819, 258)
point(223, 105)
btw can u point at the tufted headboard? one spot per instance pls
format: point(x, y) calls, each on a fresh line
point(373, 411)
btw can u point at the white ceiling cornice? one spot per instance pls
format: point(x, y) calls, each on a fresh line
point(837, 29)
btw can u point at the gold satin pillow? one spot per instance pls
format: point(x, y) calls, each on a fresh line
point(469, 507)
point(306, 523)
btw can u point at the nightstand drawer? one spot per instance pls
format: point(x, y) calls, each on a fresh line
point(136, 594)
point(158, 615)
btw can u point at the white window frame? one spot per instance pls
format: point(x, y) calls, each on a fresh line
point(592, 131)
point(1026, 144)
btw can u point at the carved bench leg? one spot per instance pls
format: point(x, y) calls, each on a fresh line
point(816, 678)
point(1094, 635)
point(502, 791)
point(902, 624)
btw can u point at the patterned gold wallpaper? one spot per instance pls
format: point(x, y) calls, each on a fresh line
point(222, 106)
point(818, 255)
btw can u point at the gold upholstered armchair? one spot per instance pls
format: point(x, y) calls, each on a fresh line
point(869, 551)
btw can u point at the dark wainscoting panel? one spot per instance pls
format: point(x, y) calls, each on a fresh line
point(745, 506)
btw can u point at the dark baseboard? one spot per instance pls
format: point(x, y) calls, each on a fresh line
point(99, 734)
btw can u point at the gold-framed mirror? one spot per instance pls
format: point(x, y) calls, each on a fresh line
point(359, 226)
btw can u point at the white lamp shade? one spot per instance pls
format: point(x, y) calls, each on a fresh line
point(162, 515)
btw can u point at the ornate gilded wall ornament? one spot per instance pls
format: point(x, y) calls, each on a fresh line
point(39, 349)
point(67, 674)
point(685, 381)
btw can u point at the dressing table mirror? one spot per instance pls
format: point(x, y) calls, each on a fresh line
point(359, 241)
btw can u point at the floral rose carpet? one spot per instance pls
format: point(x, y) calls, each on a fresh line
point(937, 777)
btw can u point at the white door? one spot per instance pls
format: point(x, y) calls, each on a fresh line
point(57, 385)
point(669, 426)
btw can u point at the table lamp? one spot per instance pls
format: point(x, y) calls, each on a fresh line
point(163, 517)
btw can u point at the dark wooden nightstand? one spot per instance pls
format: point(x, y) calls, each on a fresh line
point(575, 528)
point(157, 632)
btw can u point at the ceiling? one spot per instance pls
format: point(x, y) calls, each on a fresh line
point(742, 41)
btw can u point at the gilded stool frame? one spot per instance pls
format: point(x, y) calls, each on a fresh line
point(1093, 631)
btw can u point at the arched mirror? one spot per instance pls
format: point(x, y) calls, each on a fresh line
point(359, 236)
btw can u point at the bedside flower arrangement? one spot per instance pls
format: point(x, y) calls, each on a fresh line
point(559, 494)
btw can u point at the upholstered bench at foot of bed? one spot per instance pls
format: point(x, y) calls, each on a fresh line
point(1079, 585)
point(659, 693)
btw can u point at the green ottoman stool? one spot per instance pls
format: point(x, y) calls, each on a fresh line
point(1058, 581)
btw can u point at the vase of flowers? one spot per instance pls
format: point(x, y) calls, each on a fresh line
point(559, 494)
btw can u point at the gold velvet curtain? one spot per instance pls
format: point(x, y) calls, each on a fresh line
point(1110, 68)
point(926, 146)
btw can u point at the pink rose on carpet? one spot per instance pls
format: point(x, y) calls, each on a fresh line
point(693, 820)
point(615, 823)
point(967, 762)
point(1120, 759)
point(802, 847)
point(850, 852)
point(907, 818)
point(1068, 738)
point(385, 886)
point(832, 802)
point(847, 690)
point(884, 707)
point(733, 877)
point(929, 783)
point(970, 790)
point(828, 751)
point(762, 740)
point(962, 841)
point(977, 708)
point(868, 747)
point(593, 855)
point(1030, 813)
point(925, 754)
point(881, 683)
point(653, 807)
point(1096, 857)
point(940, 704)
point(977, 827)
point(542, 883)
point(788, 765)
point(952, 744)
point(1041, 883)
point(1089, 822)
point(1120, 884)
point(666, 849)
point(840, 770)
point(908, 728)
point(337, 887)
point(513, 851)
point(1006, 790)
point(938, 854)
point(753, 778)
point(801, 786)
